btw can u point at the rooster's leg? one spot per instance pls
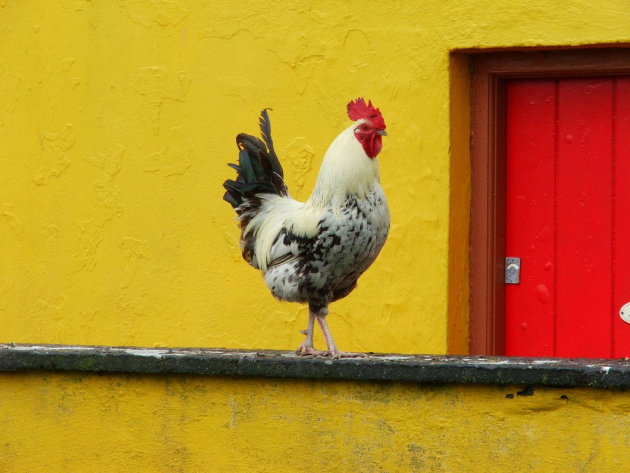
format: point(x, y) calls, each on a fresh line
point(306, 348)
point(332, 348)
point(330, 343)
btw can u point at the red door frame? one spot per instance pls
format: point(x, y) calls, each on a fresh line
point(490, 71)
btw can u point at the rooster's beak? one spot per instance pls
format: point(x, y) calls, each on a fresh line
point(382, 132)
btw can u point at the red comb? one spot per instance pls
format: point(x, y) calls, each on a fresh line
point(358, 109)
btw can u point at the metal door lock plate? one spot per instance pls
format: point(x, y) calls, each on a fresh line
point(624, 313)
point(512, 270)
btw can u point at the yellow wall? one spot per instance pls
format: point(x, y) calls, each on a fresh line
point(117, 119)
point(71, 422)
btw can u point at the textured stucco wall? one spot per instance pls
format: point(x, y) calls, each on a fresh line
point(72, 422)
point(117, 119)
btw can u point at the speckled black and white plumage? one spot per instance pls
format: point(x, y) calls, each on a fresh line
point(325, 267)
point(311, 252)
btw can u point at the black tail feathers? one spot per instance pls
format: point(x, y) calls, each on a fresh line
point(258, 170)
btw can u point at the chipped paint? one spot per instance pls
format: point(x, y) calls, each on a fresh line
point(150, 353)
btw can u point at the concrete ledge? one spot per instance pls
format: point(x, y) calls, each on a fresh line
point(601, 373)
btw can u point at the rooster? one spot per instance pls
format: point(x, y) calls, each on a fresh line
point(313, 252)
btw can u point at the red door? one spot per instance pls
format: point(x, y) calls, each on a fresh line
point(568, 216)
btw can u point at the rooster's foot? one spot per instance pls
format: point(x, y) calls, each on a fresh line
point(310, 351)
point(345, 354)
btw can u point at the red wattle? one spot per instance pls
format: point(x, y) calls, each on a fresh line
point(372, 144)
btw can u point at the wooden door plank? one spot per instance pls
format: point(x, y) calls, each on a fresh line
point(621, 222)
point(584, 218)
point(529, 224)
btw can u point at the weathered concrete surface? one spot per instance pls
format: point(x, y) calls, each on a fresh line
point(278, 364)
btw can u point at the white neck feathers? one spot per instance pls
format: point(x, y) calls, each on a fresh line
point(346, 169)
